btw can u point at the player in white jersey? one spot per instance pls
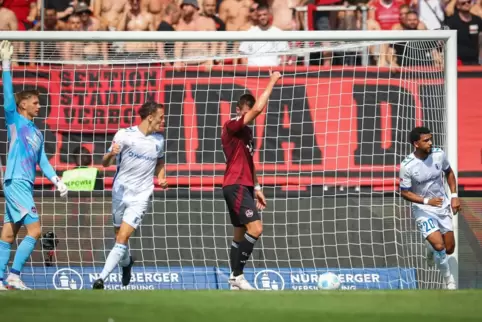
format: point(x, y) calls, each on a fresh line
point(139, 154)
point(422, 183)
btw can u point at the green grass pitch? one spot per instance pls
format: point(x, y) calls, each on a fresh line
point(231, 306)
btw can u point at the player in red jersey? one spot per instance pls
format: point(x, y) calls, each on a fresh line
point(241, 189)
point(387, 12)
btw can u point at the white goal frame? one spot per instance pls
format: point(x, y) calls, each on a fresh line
point(448, 36)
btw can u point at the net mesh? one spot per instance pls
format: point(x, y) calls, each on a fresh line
point(327, 151)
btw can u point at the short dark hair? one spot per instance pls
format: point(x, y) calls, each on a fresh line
point(246, 99)
point(25, 95)
point(83, 157)
point(412, 12)
point(149, 108)
point(417, 132)
point(262, 6)
point(404, 6)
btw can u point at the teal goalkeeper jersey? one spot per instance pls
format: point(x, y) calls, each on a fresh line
point(26, 142)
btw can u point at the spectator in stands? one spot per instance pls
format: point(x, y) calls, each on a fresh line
point(403, 13)
point(156, 8)
point(25, 11)
point(264, 53)
point(172, 14)
point(193, 21)
point(234, 13)
point(134, 19)
point(431, 13)
point(110, 12)
point(252, 18)
point(283, 14)
point(468, 28)
point(8, 20)
point(64, 8)
point(89, 22)
point(209, 11)
point(51, 23)
point(386, 12)
point(477, 9)
point(53, 49)
point(93, 51)
point(409, 54)
point(350, 20)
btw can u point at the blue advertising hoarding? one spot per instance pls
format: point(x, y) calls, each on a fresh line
point(191, 278)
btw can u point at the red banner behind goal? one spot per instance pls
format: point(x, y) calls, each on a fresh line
point(335, 127)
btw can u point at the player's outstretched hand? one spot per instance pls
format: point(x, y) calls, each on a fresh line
point(6, 50)
point(163, 183)
point(260, 200)
point(275, 76)
point(115, 149)
point(436, 202)
point(455, 203)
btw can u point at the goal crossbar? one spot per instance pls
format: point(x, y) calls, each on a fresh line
point(203, 36)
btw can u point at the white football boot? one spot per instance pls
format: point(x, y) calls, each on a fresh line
point(16, 283)
point(450, 282)
point(240, 282)
point(2, 287)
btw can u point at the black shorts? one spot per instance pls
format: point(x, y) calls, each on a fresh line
point(241, 204)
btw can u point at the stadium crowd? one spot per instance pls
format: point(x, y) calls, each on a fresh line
point(239, 15)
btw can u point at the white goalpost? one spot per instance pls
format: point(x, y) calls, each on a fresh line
point(327, 153)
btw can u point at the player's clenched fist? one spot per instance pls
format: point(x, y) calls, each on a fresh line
point(275, 76)
point(436, 202)
point(163, 183)
point(115, 149)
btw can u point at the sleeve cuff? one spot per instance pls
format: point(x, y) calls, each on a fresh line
point(6, 65)
point(405, 188)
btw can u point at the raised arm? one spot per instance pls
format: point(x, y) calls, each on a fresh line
point(6, 52)
point(262, 100)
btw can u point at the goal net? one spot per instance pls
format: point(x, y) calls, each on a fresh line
point(327, 153)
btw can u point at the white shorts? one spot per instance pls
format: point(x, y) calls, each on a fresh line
point(131, 212)
point(428, 222)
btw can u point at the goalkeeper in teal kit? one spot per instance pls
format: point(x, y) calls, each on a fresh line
point(26, 150)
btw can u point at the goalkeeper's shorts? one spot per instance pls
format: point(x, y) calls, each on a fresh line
point(19, 203)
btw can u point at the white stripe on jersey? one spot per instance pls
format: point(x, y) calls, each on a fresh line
point(425, 178)
point(136, 163)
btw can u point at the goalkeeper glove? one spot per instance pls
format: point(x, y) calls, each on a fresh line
point(61, 187)
point(6, 50)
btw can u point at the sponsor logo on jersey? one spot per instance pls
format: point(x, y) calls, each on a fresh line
point(269, 280)
point(140, 156)
point(67, 279)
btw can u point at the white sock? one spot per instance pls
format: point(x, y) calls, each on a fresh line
point(126, 259)
point(442, 261)
point(113, 259)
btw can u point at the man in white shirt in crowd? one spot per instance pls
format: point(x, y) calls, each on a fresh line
point(264, 53)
